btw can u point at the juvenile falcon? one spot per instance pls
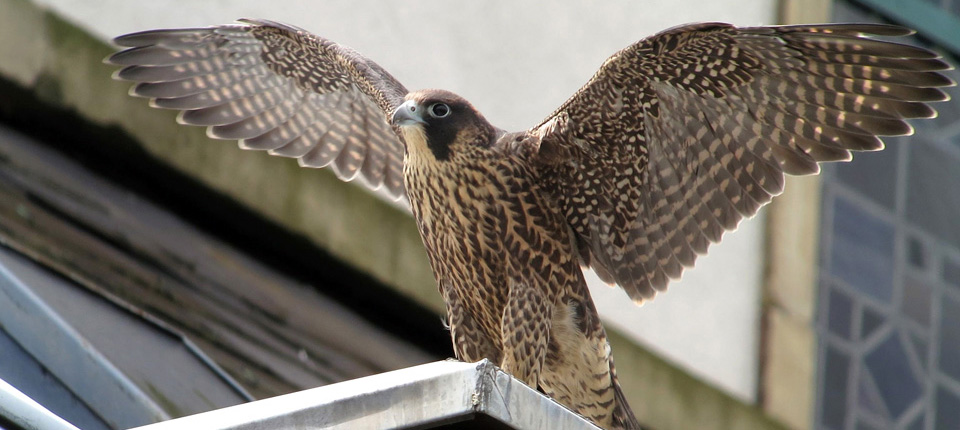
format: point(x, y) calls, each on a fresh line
point(672, 142)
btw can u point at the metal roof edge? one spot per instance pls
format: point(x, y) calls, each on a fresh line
point(21, 410)
point(433, 394)
point(509, 400)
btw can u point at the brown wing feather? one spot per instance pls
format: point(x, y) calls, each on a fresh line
point(681, 135)
point(275, 88)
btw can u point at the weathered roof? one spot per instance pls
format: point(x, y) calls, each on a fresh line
point(272, 334)
point(107, 367)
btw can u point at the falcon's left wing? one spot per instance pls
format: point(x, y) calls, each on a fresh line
point(681, 135)
point(276, 88)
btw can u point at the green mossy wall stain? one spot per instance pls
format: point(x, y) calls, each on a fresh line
point(47, 88)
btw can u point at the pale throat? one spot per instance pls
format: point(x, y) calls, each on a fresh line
point(416, 138)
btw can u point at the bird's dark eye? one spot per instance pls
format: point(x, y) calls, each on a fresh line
point(439, 110)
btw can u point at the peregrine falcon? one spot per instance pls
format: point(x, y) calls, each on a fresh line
point(673, 141)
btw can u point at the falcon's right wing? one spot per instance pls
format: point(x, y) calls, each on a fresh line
point(275, 88)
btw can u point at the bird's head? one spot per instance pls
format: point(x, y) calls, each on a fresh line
point(441, 122)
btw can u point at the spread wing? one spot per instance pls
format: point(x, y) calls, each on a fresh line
point(681, 135)
point(274, 88)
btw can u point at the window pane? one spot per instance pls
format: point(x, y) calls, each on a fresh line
point(916, 301)
point(870, 322)
point(874, 174)
point(863, 425)
point(917, 424)
point(949, 355)
point(834, 386)
point(920, 347)
point(951, 272)
point(841, 314)
point(862, 252)
point(889, 366)
point(948, 410)
point(934, 201)
point(868, 398)
point(916, 254)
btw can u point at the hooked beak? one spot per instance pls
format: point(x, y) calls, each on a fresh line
point(408, 114)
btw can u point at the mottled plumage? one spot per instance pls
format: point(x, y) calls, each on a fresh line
point(673, 141)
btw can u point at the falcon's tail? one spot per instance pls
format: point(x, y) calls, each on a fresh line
point(623, 417)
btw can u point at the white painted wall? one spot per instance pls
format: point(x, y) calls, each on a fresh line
point(517, 62)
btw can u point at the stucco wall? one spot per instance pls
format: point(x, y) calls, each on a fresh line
point(517, 62)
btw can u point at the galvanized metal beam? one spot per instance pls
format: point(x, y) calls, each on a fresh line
point(22, 411)
point(445, 393)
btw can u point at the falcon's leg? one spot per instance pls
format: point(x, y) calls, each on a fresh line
point(525, 330)
point(470, 343)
